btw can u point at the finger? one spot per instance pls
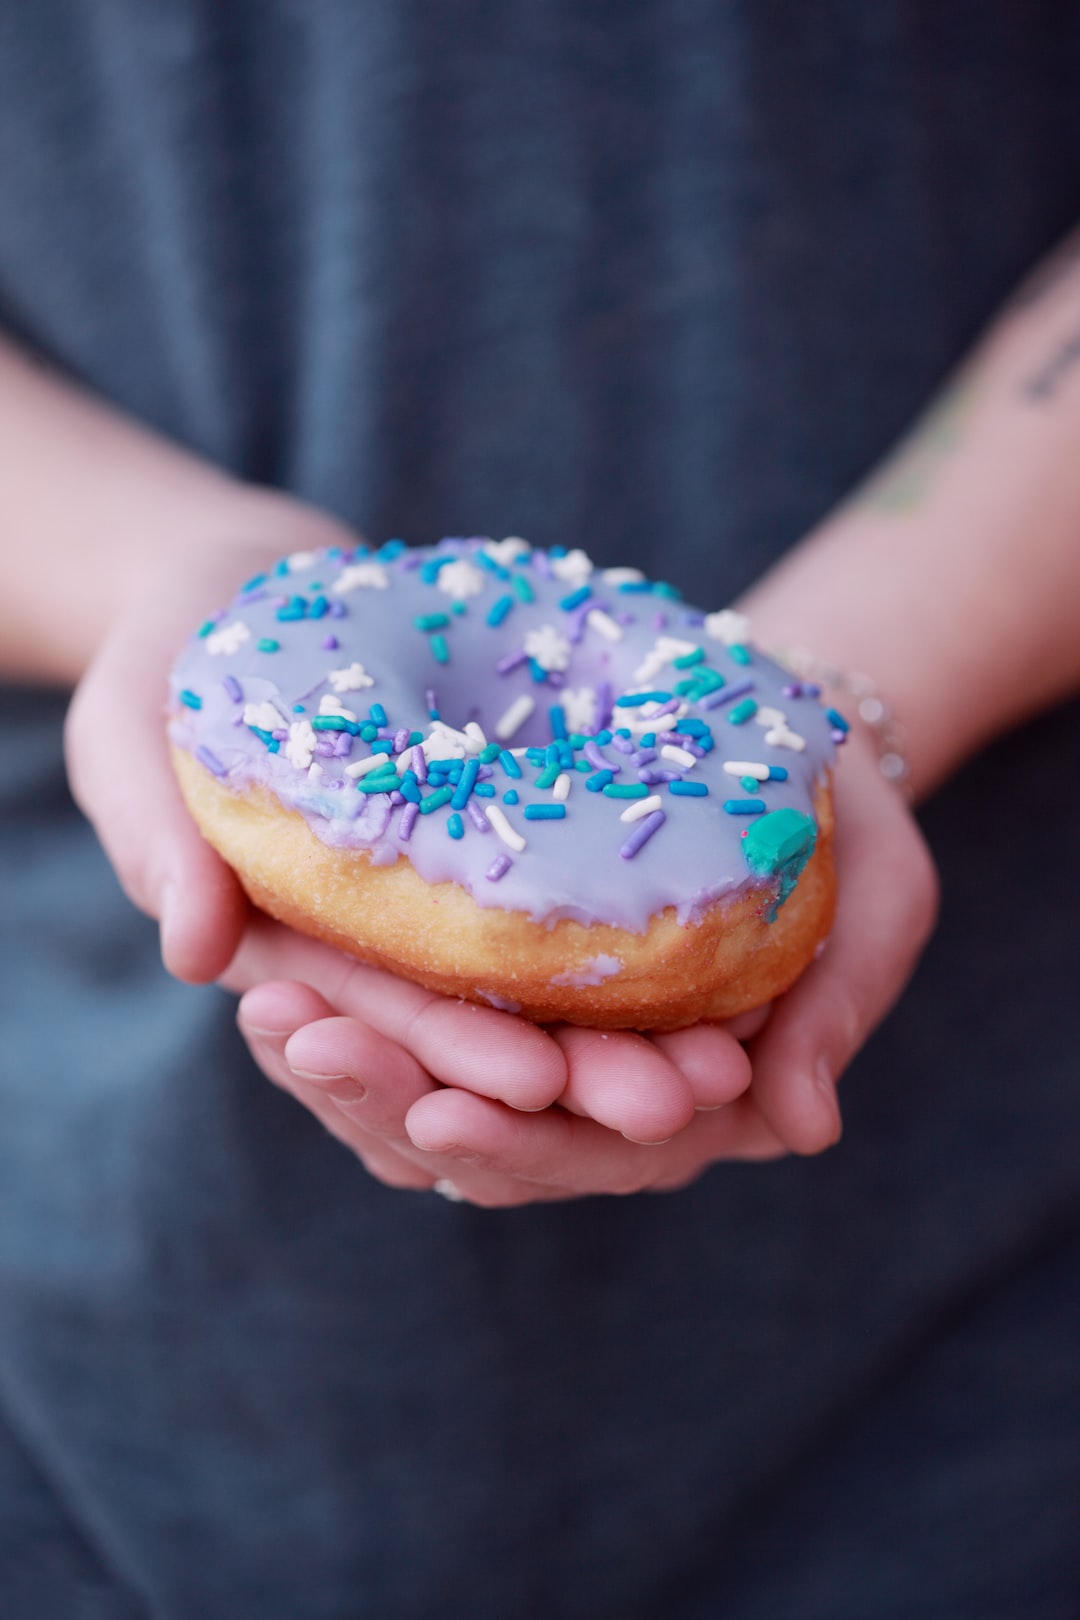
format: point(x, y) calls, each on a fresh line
point(748, 1024)
point(161, 859)
point(625, 1082)
point(886, 910)
point(457, 1042)
point(710, 1059)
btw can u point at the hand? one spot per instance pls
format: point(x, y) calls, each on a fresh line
point(421, 1110)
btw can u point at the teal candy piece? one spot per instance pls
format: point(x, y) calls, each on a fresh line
point(779, 845)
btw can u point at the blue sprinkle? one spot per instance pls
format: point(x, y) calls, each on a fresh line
point(253, 583)
point(440, 649)
point(537, 671)
point(692, 728)
point(635, 587)
point(603, 738)
point(392, 549)
point(484, 790)
point(575, 599)
point(778, 773)
point(318, 608)
point(455, 826)
point(556, 551)
point(536, 756)
point(698, 790)
point(599, 780)
point(409, 788)
point(649, 740)
point(377, 715)
point(498, 610)
point(281, 568)
point(633, 700)
point(557, 716)
point(509, 763)
point(545, 812)
point(510, 796)
point(190, 700)
point(743, 807)
point(295, 608)
point(298, 708)
point(835, 718)
point(429, 573)
point(467, 781)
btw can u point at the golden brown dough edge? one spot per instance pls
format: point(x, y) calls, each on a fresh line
point(673, 975)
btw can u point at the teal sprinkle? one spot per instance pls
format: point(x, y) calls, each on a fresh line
point(484, 790)
point(509, 763)
point(688, 660)
point(368, 732)
point(835, 718)
point(749, 784)
point(334, 722)
point(577, 739)
point(459, 608)
point(672, 592)
point(434, 801)
point(431, 621)
point(583, 766)
point(547, 776)
point(604, 737)
point(522, 589)
point(624, 790)
point(703, 681)
point(744, 807)
point(510, 796)
point(688, 790)
point(740, 653)
point(440, 649)
point(779, 845)
point(742, 712)
point(498, 610)
point(378, 782)
point(205, 629)
point(545, 812)
point(488, 755)
point(190, 700)
point(267, 644)
point(253, 583)
point(415, 737)
point(455, 826)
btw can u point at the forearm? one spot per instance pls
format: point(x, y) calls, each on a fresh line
point(92, 507)
point(952, 577)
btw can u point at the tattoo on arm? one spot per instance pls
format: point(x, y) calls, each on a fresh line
point(1044, 383)
point(905, 478)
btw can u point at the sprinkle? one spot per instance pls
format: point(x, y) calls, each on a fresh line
point(485, 790)
point(353, 678)
point(688, 660)
point(743, 807)
point(267, 644)
point(642, 833)
point(745, 767)
point(435, 800)
point(460, 578)
point(207, 757)
point(778, 773)
point(510, 796)
point(498, 868)
point(512, 839)
point(401, 739)
point(689, 790)
point(512, 660)
point(361, 576)
point(498, 610)
point(737, 689)
point(561, 789)
point(455, 826)
point(378, 782)
point(548, 648)
point(601, 780)
point(547, 776)
point(727, 626)
point(692, 728)
point(836, 720)
point(678, 756)
point(621, 741)
point(625, 790)
point(509, 763)
point(407, 822)
point(431, 621)
point(575, 598)
point(545, 812)
point(782, 737)
point(740, 654)
point(440, 649)
point(634, 700)
point(409, 788)
point(477, 817)
point(522, 589)
point(233, 689)
point(190, 700)
point(641, 807)
point(514, 717)
point(466, 784)
point(742, 712)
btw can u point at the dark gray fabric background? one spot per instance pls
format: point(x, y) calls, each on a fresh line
point(661, 280)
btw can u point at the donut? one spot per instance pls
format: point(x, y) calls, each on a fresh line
point(514, 777)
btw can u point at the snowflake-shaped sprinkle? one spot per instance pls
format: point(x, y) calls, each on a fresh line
point(461, 578)
point(371, 576)
point(263, 716)
point(352, 679)
point(300, 748)
point(330, 705)
point(579, 707)
point(664, 650)
point(573, 569)
point(727, 626)
point(228, 639)
point(299, 560)
point(508, 550)
point(548, 647)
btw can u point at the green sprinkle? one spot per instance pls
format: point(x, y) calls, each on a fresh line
point(742, 712)
point(522, 589)
point(455, 826)
point(431, 621)
point(626, 790)
point(267, 644)
point(368, 731)
point(740, 653)
point(459, 608)
point(688, 660)
point(433, 801)
point(779, 845)
point(490, 754)
point(547, 776)
point(205, 629)
point(749, 784)
point(440, 649)
point(378, 782)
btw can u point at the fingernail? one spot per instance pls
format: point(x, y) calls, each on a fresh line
point(340, 1087)
point(823, 1079)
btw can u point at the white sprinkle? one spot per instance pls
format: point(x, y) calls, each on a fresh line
point(514, 717)
point(508, 550)
point(781, 737)
point(443, 742)
point(548, 647)
point(360, 767)
point(579, 707)
point(300, 748)
point(641, 807)
point(678, 756)
point(476, 736)
point(561, 788)
point(371, 576)
point(461, 578)
point(263, 716)
point(623, 576)
point(767, 716)
point(228, 639)
point(329, 705)
point(352, 679)
point(744, 767)
point(299, 560)
point(604, 625)
point(728, 626)
point(573, 569)
point(314, 771)
point(513, 840)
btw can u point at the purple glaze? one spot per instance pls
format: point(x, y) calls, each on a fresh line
point(684, 856)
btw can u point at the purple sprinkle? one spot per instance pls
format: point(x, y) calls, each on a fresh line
point(676, 737)
point(477, 817)
point(238, 719)
point(419, 763)
point(644, 756)
point(330, 644)
point(207, 757)
point(625, 618)
point(411, 560)
point(401, 739)
point(556, 678)
point(793, 689)
point(342, 745)
point(257, 595)
point(324, 747)
point(484, 774)
point(659, 621)
point(657, 773)
point(604, 695)
point(664, 708)
point(277, 601)
point(596, 758)
point(577, 622)
point(641, 834)
point(726, 693)
point(279, 735)
point(623, 744)
point(693, 618)
point(811, 689)
point(338, 609)
point(502, 863)
point(233, 688)
point(542, 564)
point(397, 798)
point(431, 699)
point(838, 736)
point(510, 661)
point(407, 822)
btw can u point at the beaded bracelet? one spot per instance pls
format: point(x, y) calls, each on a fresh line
point(888, 734)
